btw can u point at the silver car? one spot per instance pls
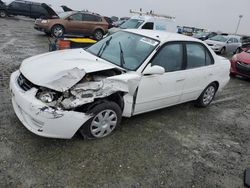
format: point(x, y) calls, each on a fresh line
point(224, 44)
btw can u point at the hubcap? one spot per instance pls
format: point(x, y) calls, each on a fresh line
point(2, 14)
point(58, 31)
point(103, 123)
point(98, 35)
point(208, 95)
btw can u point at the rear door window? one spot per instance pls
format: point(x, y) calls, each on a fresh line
point(38, 9)
point(76, 17)
point(197, 56)
point(91, 18)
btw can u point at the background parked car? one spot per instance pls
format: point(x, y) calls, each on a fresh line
point(66, 9)
point(109, 21)
point(30, 9)
point(149, 21)
point(204, 35)
point(240, 64)
point(225, 44)
point(74, 22)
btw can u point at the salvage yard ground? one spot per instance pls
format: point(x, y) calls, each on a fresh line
point(180, 146)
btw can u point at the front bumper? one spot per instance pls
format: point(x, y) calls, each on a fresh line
point(216, 48)
point(41, 119)
point(42, 28)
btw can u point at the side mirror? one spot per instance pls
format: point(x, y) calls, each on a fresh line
point(69, 19)
point(155, 69)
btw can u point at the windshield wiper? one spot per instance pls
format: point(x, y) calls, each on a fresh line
point(103, 47)
point(122, 61)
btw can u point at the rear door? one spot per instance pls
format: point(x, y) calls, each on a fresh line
point(90, 23)
point(199, 70)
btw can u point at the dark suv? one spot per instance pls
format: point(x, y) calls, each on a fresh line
point(29, 9)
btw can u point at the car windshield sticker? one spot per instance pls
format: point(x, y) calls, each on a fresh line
point(149, 41)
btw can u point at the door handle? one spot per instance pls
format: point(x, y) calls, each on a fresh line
point(210, 74)
point(180, 80)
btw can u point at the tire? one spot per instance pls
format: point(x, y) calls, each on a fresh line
point(223, 50)
point(206, 96)
point(3, 13)
point(99, 126)
point(57, 31)
point(98, 34)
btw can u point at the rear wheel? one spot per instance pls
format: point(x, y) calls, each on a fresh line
point(57, 31)
point(98, 34)
point(207, 95)
point(3, 13)
point(106, 117)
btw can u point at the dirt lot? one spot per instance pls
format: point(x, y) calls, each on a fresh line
point(181, 146)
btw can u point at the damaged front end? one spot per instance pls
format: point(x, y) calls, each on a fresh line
point(60, 107)
point(93, 86)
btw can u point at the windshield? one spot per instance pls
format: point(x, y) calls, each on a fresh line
point(200, 34)
point(131, 24)
point(64, 15)
point(124, 49)
point(219, 38)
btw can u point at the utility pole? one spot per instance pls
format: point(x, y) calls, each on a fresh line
point(240, 16)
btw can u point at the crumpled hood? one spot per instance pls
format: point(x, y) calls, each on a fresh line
point(61, 70)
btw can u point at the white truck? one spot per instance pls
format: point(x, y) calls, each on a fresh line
point(148, 20)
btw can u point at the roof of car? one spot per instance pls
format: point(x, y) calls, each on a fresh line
point(163, 36)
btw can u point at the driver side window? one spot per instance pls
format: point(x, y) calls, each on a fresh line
point(169, 57)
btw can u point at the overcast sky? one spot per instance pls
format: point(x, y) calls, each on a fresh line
point(216, 15)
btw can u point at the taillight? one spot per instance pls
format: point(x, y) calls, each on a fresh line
point(63, 44)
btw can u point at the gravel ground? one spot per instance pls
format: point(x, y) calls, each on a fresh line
point(180, 146)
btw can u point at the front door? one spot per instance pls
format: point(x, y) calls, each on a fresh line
point(74, 24)
point(159, 91)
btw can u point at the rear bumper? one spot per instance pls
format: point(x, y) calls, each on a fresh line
point(43, 120)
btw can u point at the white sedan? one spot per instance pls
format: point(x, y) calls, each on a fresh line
point(128, 73)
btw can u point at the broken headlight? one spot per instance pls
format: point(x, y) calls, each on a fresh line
point(46, 96)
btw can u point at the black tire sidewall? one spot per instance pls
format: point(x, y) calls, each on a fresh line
point(222, 51)
point(4, 13)
point(85, 129)
point(199, 102)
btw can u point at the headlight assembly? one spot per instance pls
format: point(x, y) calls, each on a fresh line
point(46, 96)
point(44, 21)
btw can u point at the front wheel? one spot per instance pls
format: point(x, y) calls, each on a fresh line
point(98, 35)
point(222, 51)
point(207, 96)
point(106, 117)
point(57, 31)
point(3, 14)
